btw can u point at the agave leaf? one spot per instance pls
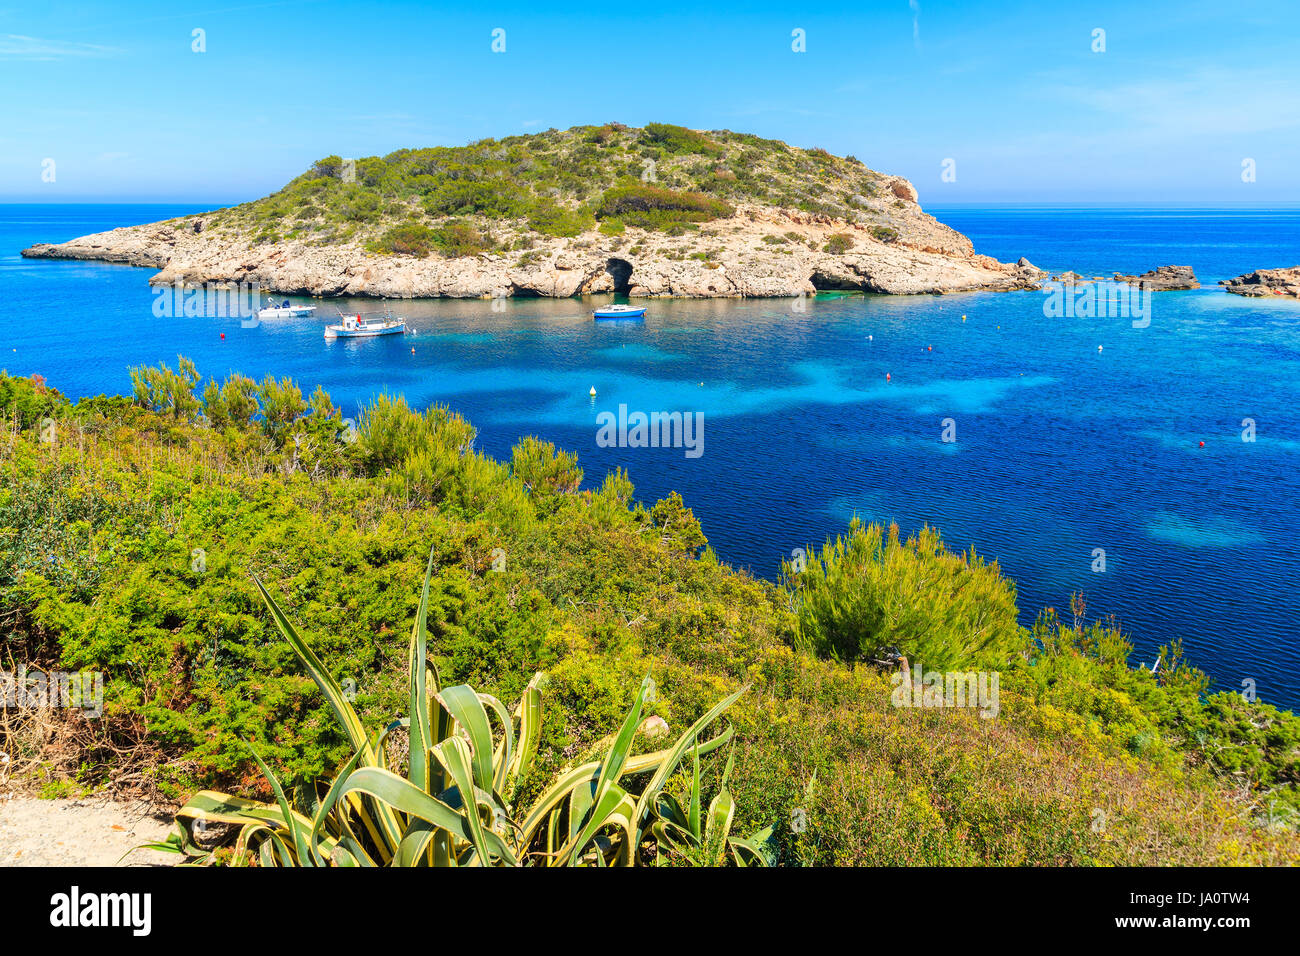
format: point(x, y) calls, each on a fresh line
point(454, 754)
point(612, 769)
point(505, 750)
point(420, 729)
point(581, 797)
point(757, 849)
point(693, 818)
point(465, 707)
point(379, 821)
point(332, 795)
point(398, 793)
point(306, 856)
point(554, 795)
point(623, 816)
point(417, 844)
point(529, 712)
point(717, 827)
point(675, 754)
point(347, 716)
point(615, 807)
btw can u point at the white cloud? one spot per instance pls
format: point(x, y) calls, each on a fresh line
point(14, 46)
point(1206, 102)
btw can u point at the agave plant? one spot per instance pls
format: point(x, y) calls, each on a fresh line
point(456, 804)
point(705, 838)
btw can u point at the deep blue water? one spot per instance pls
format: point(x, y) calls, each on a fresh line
point(1060, 449)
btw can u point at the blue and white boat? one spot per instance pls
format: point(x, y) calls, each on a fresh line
point(619, 312)
point(285, 311)
point(360, 326)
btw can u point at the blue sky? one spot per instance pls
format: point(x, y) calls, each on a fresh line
point(1011, 92)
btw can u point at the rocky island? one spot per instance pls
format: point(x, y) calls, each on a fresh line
point(1163, 279)
point(1262, 282)
point(657, 211)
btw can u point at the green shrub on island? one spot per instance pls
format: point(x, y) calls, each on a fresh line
point(654, 207)
point(408, 239)
point(130, 537)
point(452, 239)
point(551, 219)
point(552, 183)
point(678, 140)
point(838, 244)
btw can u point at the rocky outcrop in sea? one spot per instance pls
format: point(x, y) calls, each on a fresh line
point(1262, 282)
point(1163, 279)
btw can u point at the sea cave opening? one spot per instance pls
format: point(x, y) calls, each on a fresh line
point(620, 270)
point(834, 283)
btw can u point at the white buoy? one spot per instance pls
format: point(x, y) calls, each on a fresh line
point(1098, 348)
point(871, 338)
point(592, 393)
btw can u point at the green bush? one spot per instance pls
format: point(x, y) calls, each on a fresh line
point(26, 401)
point(838, 244)
point(869, 591)
point(551, 219)
point(452, 239)
point(654, 207)
point(679, 139)
point(408, 239)
point(166, 391)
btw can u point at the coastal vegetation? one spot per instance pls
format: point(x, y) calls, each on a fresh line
point(134, 533)
point(460, 800)
point(463, 200)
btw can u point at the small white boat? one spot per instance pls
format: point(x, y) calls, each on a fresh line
point(360, 326)
point(285, 311)
point(619, 312)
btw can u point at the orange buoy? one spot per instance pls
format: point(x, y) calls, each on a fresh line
point(888, 376)
point(223, 335)
point(1202, 444)
point(929, 348)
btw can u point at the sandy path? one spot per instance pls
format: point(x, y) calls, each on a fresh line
point(92, 832)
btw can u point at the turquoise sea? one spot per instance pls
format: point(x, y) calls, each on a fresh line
point(1060, 449)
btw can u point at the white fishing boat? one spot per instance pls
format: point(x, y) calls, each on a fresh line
point(362, 325)
point(618, 312)
point(285, 311)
